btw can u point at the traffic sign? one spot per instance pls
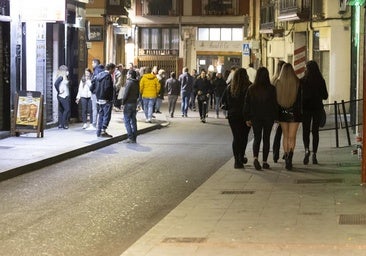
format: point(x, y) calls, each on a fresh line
point(246, 50)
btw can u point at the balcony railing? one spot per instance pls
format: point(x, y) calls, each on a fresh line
point(295, 10)
point(267, 18)
point(219, 7)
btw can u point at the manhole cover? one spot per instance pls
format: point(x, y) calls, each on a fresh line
point(316, 181)
point(184, 240)
point(311, 213)
point(237, 192)
point(352, 219)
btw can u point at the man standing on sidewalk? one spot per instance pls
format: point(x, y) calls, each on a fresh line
point(129, 102)
point(97, 68)
point(102, 86)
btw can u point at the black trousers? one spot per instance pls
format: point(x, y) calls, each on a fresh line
point(277, 142)
point(240, 133)
point(262, 129)
point(310, 122)
point(202, 108)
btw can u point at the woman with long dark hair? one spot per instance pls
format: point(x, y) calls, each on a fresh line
point(314, 92)
point(233, 98)
point(289, 101)
point(260, 111)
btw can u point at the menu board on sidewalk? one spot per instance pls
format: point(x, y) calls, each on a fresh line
point(29, 112)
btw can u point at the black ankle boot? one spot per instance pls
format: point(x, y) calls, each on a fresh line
point(315, 161)
point(289, 160)
point(238, 163)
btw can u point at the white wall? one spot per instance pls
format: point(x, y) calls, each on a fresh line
point(340, 61)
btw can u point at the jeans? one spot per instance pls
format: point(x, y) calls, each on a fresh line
point(192, 101)
point(259, 127)
point(105, 112)
point(158, 104)
point(86, 107)
point(94, 110)
point(129, 116)
point(217, 104)
point(172, 101)
point(185, 102)
point(64, 111)
point(148, 107)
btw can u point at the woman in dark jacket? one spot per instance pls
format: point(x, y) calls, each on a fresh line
point(202, 88)
point(314, 92)
point(260, 111)
point(233, 98)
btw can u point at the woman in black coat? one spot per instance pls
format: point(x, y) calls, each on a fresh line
point(233, 99)
point(260, 111)
point(314, 92)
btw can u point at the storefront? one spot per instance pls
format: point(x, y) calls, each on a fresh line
point(42, 39)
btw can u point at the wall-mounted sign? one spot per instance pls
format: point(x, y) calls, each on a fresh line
point(43, 10)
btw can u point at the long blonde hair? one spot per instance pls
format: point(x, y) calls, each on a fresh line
point(287, 86)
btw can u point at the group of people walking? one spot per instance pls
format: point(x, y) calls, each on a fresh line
point(250, 99)
point(285, 99)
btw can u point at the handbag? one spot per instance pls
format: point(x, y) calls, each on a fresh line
point(323, 118)
point(287, 114)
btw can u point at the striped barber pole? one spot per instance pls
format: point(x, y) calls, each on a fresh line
point(300, 60)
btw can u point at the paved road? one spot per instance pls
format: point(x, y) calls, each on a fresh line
point(101, 202)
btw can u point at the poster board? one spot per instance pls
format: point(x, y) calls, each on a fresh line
point(29, 112)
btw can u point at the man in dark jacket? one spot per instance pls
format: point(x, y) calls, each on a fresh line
point(219, 87)
point(172, 86)
point(186, 84)
point(102, 86)
point(129, 102)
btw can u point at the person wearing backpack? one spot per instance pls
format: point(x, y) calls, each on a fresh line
point(103, 88)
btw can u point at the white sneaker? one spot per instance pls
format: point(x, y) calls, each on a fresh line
point(85, 125)
point(91, 128)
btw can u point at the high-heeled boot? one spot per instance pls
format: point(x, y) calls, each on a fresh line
point(315, 161)
point(289, 160)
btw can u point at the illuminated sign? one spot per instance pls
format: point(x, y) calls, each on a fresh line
point(356, 2)
point(43, 10)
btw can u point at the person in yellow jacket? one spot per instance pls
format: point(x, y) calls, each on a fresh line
point(149, 89)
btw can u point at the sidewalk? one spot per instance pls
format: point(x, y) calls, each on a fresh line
point(27, 153)
point(313, 210)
